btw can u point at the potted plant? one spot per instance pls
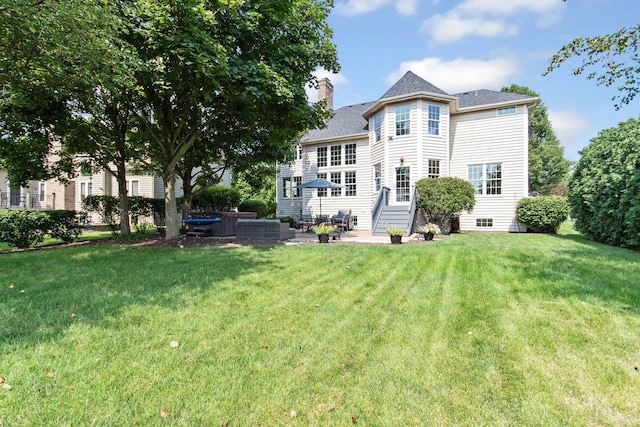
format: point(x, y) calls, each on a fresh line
point(396, 234)
point(323, 230)
point(429, 230)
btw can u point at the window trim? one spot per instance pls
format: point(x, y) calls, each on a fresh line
point(350, 188)
point(322, 155)
point(336, 155)
point(506, 111)
point(377, 127)
point(434, 121)
point(433, 167)
point(480, 182)
point(350, 151)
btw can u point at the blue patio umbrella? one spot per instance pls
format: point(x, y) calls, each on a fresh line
point(319, 183)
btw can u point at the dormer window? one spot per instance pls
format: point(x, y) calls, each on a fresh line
point(403, 120)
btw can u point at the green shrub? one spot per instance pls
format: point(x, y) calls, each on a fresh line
point(23, 228)
point(141, 208)
point(440, 199)
point(216, 198)
point(257, 206)
point(63, 225)
point(542, 214)
point(605, 187)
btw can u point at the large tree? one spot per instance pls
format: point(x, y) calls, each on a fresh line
point(547, 166)
point(234, 71)
point(610, 59)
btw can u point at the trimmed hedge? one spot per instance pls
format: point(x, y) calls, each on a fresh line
point(542, 214)
point(25, 228)
point(257, 206)
point(216, 199)
point(440, 199)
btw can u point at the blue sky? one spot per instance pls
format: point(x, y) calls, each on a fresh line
point(481, 44)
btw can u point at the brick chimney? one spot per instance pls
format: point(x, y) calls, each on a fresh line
point(325, 91)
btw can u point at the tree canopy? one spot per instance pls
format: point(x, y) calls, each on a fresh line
point(547, 166)
point(222, 80)
point(610, 59)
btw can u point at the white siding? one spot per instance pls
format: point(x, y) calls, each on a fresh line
point(480, 138)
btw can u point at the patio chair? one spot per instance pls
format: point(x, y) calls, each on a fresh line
point(342, 219)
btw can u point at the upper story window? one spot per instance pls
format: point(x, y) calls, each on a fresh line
point(350, 154)
point(133, 187)
point(433, 168)
point(336, 155)
point(86, 189)
point(434, 120)
point(297, 151)
point(506, 111)
point(377, 126)
point(403, 120)
point(322, 156)
point(486, 178)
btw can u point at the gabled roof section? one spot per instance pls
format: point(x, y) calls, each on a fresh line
point(409, 84)
point(482, 97)
point(346, 121)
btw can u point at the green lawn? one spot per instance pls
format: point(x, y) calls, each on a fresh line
point(477, 330)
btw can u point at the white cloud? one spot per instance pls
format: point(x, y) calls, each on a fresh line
point(454, 26)
point(489, 18)
point(568, 127)
point(336, 79)
point(359, 7)
point(460, 74)
point(407, 7)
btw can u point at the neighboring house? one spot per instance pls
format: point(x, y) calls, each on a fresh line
point(378, 150)
point(52, 194)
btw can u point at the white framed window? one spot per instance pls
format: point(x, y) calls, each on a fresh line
point(86, 189)
point(434, 120)
point(297, 192)
point(403, 184)
point(336, 178)
point(507, 111)
point(286, 187)
point(336, 155)
point(133, 187)
point(377, 176)
point(377, 126)
point(433, 168)
point(486, 178)
point(321, 153)
point(350, 184)
point(322, 192)
point(403, 120)
point(297, 151)
point(41, 191)
point(350, 154)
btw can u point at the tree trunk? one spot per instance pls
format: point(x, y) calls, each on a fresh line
point(171, 210)
point(121, 177)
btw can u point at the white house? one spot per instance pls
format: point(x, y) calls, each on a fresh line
point(378, 150)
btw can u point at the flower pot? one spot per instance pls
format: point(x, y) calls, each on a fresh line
point(428, 236)
point(323, 238)
point(396, 240)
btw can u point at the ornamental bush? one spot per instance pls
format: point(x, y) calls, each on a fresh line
point(22, 228)
point(440, 199)
point(63, 225)
point(604, 191)
point(542, 214)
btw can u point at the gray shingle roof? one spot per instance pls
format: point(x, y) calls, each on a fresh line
point(349, 121)
point(487, 97)
point(411, 83)
point(345, 121)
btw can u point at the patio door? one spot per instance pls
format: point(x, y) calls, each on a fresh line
point(403, 184)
